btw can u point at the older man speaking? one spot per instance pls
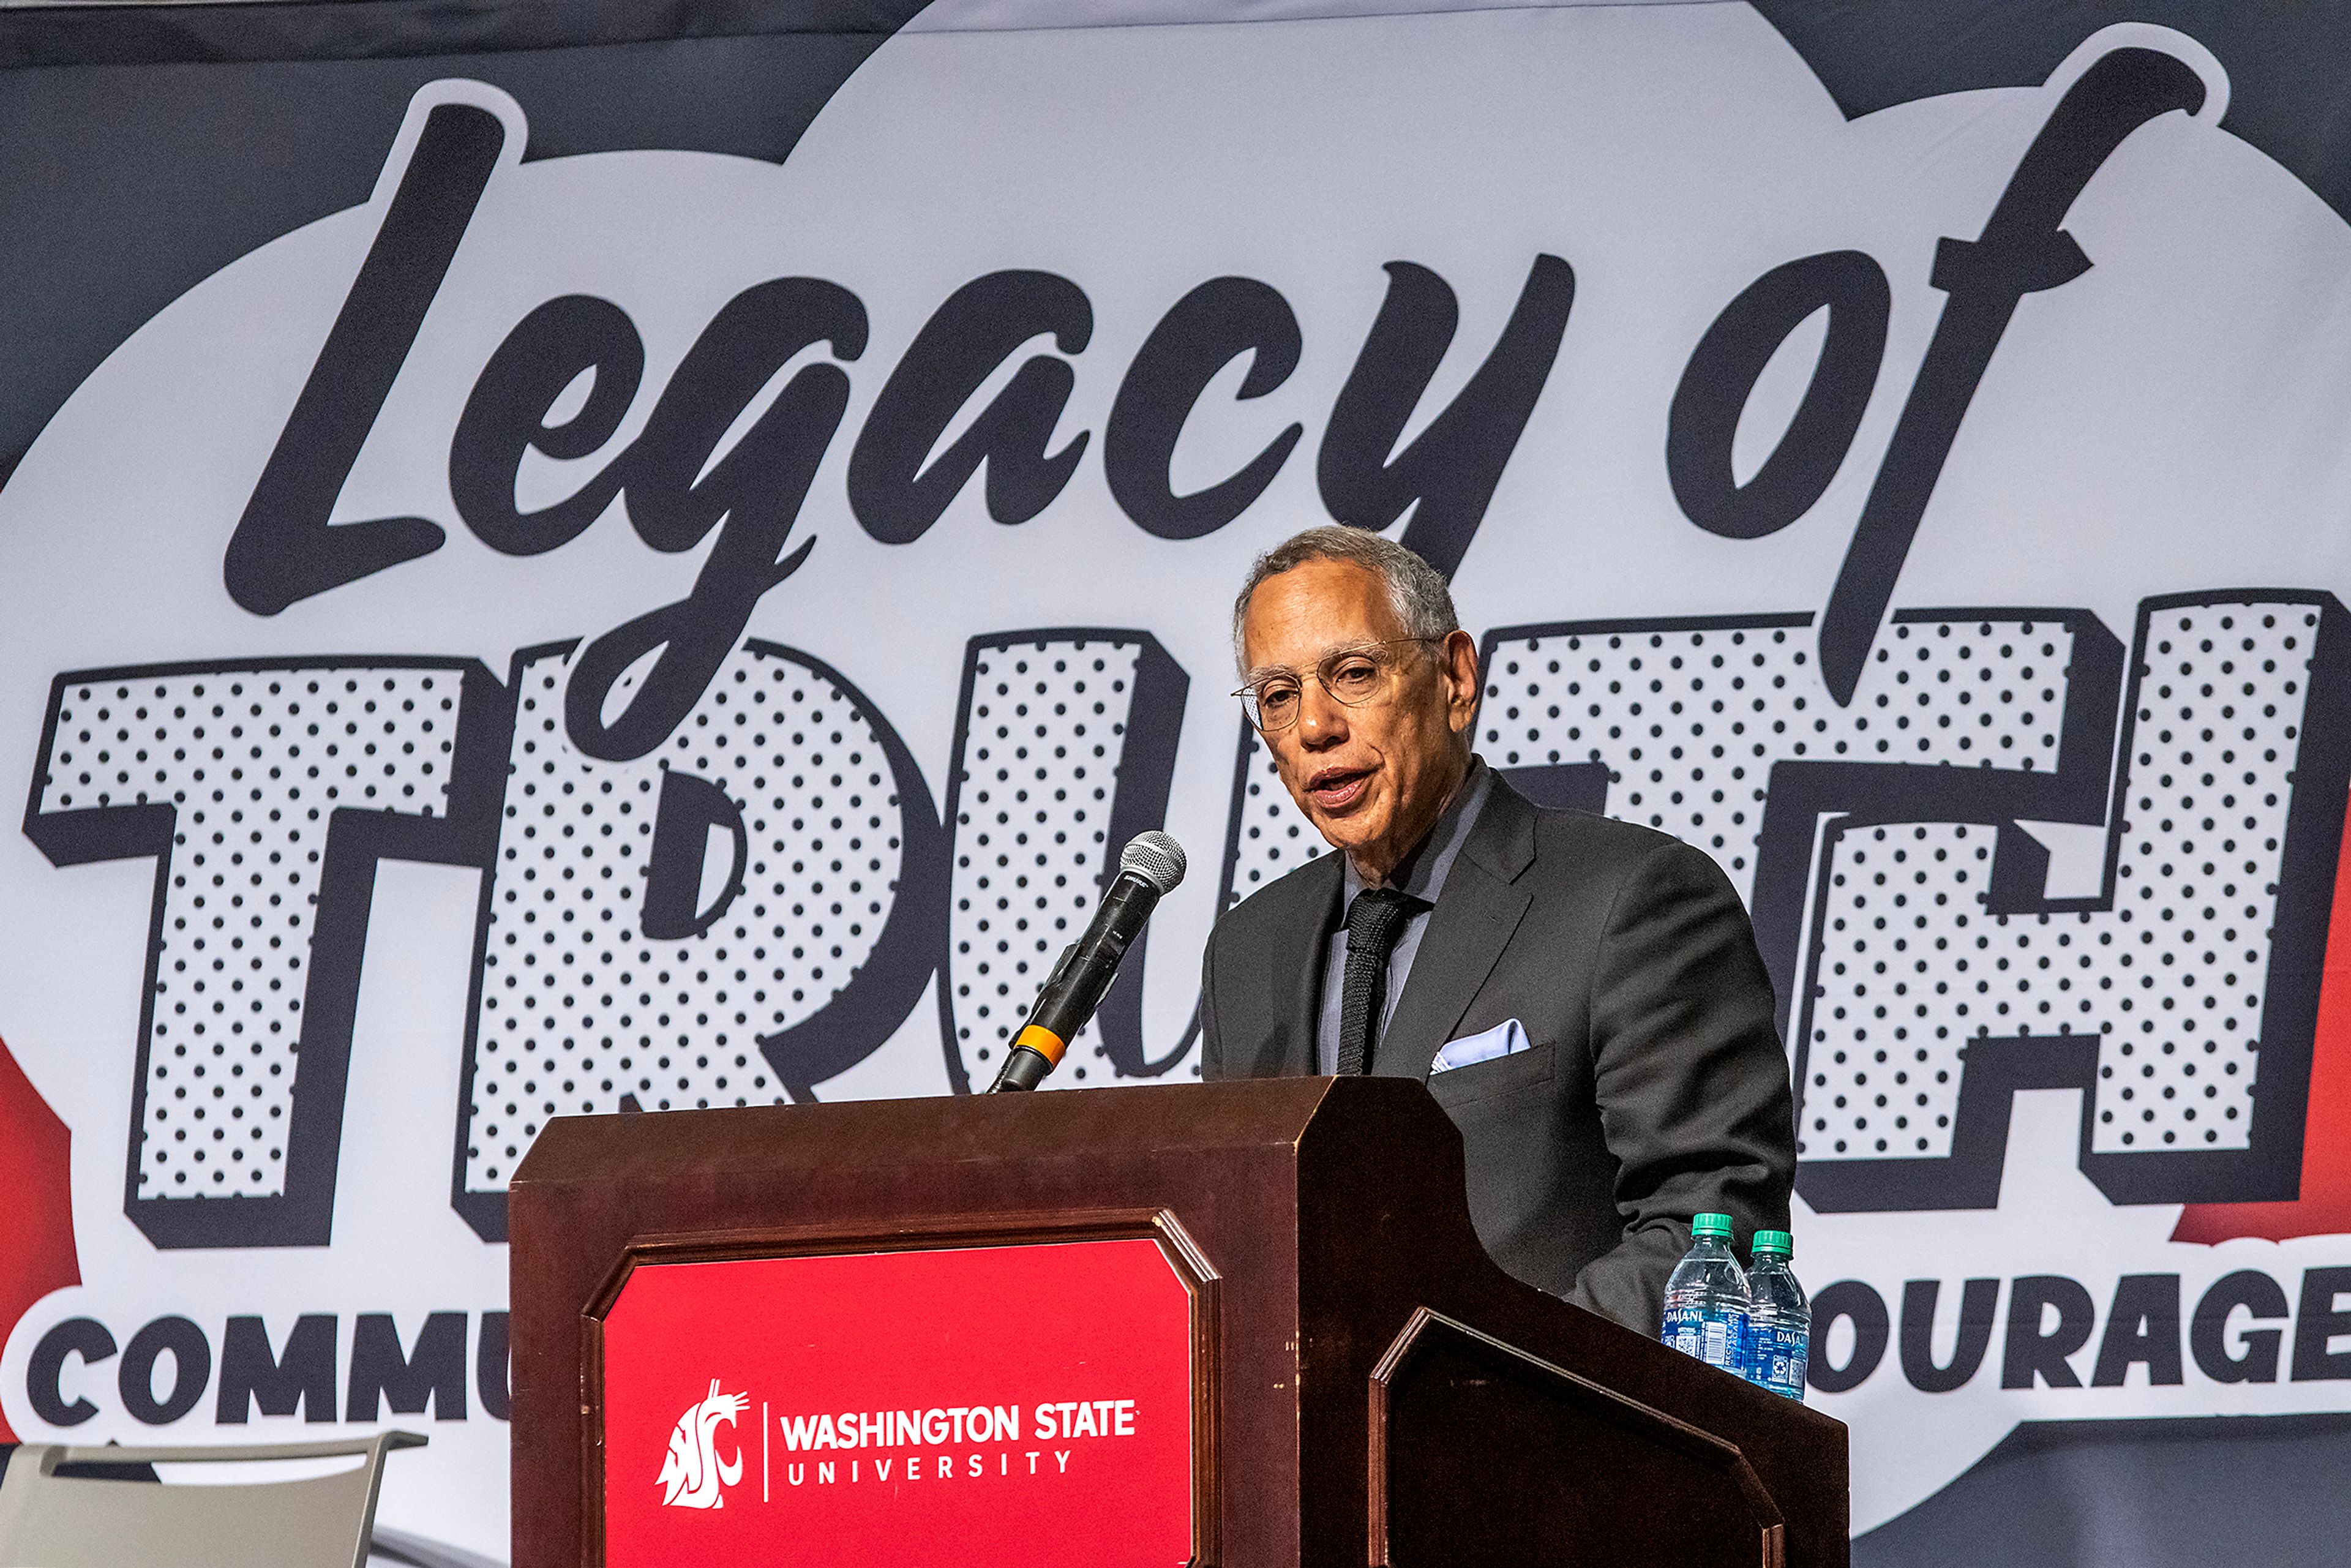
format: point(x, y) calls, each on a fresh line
point(1582, 996)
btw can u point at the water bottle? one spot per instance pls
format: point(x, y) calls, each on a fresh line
point(1779, 1321)
point(1706, 1299)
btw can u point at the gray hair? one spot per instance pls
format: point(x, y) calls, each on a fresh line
point(1417, 590)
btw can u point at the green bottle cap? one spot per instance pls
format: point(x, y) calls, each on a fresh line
point(1711, 1224)
point(1778, 1241)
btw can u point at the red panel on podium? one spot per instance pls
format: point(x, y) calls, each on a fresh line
point(1022, 1402)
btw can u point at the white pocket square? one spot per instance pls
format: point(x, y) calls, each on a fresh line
point(1502, 1039)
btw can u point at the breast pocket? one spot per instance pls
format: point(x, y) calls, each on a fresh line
point(1521, 1070)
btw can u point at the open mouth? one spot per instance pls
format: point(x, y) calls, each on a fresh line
point(1336, 789)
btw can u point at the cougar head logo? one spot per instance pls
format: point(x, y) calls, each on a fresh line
point(691, 1474)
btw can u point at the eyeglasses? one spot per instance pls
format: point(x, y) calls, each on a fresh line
point(1355, 676)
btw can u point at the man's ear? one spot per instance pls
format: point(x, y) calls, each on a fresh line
point(1461, 655)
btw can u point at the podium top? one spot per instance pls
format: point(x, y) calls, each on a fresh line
point(965, 1129)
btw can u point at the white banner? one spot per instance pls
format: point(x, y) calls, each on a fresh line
point(647, 630)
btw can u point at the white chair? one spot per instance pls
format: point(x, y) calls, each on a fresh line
point(52, 1520)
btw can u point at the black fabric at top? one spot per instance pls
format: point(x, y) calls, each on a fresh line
point(377, 30)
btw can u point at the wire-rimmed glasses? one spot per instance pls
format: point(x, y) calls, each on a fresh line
point(1355, 676)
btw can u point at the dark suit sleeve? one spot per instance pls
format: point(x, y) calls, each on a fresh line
point(1212, 1052)
point(1691, 1078)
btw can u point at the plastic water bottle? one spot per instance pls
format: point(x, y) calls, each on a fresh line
point(1779, 1320)
point(1706, 1299)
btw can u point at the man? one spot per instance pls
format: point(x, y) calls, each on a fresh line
point(1584, 996)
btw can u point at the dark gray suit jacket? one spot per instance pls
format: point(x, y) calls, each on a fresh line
point(1656, 1088)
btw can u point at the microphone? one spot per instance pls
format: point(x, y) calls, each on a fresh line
point(1149, 868)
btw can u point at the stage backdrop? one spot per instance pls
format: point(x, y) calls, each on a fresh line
point(622, 558)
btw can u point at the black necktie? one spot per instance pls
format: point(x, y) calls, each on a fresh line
point(1375, 921)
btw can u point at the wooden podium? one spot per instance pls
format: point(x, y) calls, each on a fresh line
point(1365, 1385)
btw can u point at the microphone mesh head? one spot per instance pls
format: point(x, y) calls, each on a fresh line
point(1155, 858)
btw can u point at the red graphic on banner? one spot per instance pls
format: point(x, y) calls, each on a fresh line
point(36, 1236)
point(1025, 1405)
point(2323, 1208)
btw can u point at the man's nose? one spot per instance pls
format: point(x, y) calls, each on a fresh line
point(1321, 718)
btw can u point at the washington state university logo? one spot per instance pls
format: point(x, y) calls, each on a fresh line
point(692, 1472)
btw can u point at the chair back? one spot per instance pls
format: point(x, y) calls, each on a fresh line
point(53, 1521)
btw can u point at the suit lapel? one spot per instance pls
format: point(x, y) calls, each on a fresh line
point(1293, 972)
point(1476, 914)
